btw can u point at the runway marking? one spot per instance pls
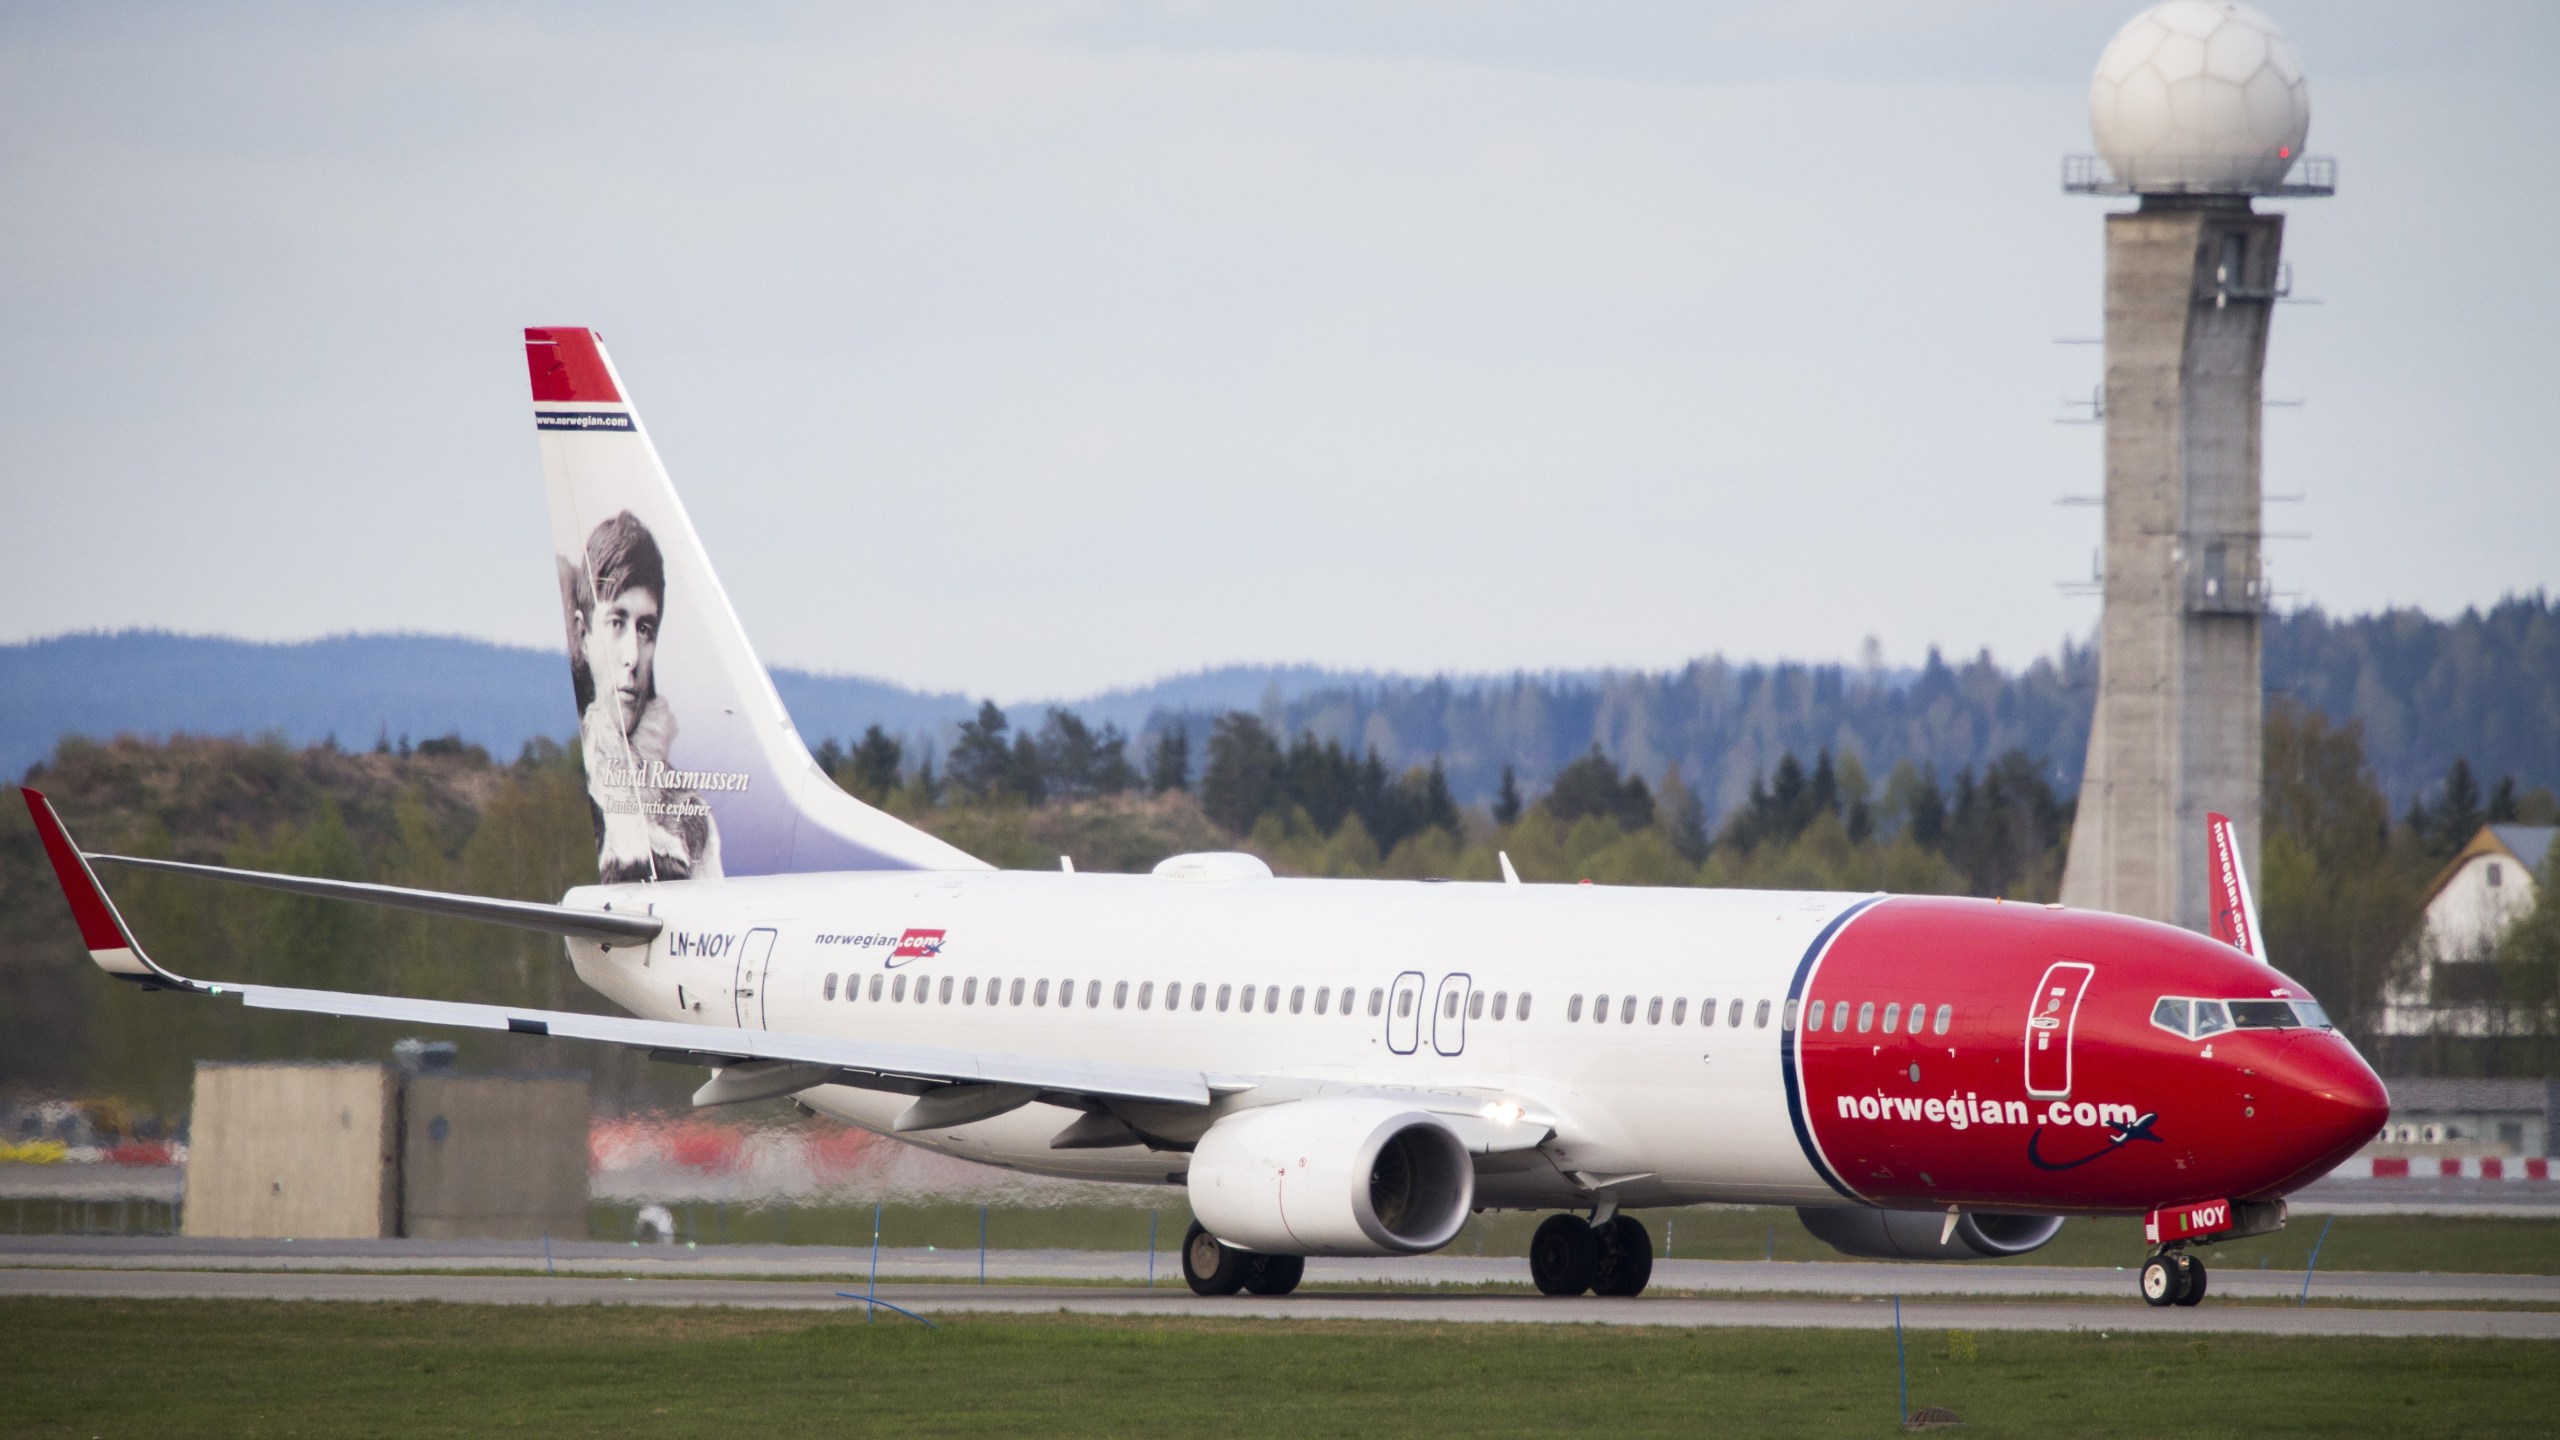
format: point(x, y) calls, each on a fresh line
point(2131, 1317)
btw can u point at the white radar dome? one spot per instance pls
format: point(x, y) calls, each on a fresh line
point(2199, 95)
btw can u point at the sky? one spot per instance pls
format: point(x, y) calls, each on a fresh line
point(1030, 349)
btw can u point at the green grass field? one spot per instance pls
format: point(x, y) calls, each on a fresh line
point(2452, 1244)
point(90, 1368)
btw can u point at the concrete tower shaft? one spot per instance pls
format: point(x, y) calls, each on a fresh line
point(2191, 280)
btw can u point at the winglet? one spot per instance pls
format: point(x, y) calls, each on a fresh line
point(2235, 910)
point(101, 928)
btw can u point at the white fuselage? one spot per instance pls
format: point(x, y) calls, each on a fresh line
point(1664, 1103)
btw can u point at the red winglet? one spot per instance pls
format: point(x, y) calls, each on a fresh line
point(567, 367)
point(100, 929)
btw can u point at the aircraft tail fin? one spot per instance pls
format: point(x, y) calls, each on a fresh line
point(2235, 909)
point(694, 770)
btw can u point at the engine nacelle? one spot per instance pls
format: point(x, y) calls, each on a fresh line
point(1332, 1177)
point(1913, 1234)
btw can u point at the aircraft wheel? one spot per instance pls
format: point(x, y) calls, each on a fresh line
point(1563, 1255)
point(2160, 1280)
point(1274, 1274)
point(2191, 1290)
point(1625, 1258)
point(1212, 1268)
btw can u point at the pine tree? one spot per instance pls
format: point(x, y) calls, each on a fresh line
point(981, 765)
point(1243, 776)
point(1684, 819)
point(1506, 802)
point(875, 763)
point(1169, 763)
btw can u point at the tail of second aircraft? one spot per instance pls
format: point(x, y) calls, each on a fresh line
point(694, 770)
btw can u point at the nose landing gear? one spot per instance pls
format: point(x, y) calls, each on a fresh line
point(1570, 1255)
point(2172, 1277)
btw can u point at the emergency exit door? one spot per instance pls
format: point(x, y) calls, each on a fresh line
point(755, 963)
point(2050, 1022)
point(1404, 1013)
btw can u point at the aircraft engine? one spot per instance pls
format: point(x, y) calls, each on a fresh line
point(1913, 1234)
point(1332, 1177)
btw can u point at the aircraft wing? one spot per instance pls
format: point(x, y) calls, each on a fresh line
point(753, 1063)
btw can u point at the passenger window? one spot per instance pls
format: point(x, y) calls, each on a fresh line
point(1839, 1017)
point(1573, 1009)
point(969, 991)
point(1680, 1010)
point(1200, 996)
point(1404, 1003)
point(1324, 995)
point(1093, 995)
point(1600, 1010)
point(1501, 1001)
point(1449, 1007)
point(1892, 1013)
point(898, 989)
point(1866, 1017)
point(1146, 993)
point(1707, 1014)
point(1377, 999)
point(1298, 1000)
point(1653, 1011)
point(1247, 1006)
point(1816, 1022)
point(1523, 1011)
point(1475, 1006)
point(1017, 991)
point(946, 989)
point(828, 990)
point(1627, 1011)
point(1945, 1017)
point(1119, 995)
point(1271, 1000)
point(1224, 992)
point(1787, 1017)
point(875, 987)
point(1733, 1016)
point(1760, 1017)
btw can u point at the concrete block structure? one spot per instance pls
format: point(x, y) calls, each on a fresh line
point(493, 1157)
point(320, 1151)
point(298, 1151)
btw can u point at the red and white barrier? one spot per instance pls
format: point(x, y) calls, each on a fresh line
point(2476, 1167)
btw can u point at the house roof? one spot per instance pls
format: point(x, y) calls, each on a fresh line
point(2527, 845)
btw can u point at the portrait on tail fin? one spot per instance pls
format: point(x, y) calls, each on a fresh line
point(650, 824)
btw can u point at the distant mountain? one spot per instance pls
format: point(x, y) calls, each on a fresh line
point(2484, 685)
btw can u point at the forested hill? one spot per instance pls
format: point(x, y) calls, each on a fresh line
point(2484, 685)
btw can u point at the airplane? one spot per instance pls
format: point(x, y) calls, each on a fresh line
point(1346, 1067)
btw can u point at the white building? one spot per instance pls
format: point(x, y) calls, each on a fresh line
point(2445, 984)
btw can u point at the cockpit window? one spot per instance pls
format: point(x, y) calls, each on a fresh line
point(2195, 1019)
point(2312, 1015)
point(2263, 1015)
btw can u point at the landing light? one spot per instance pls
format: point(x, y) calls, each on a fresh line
point(1504, 1112)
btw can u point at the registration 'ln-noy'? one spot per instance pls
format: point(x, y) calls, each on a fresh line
point(1348, 1067)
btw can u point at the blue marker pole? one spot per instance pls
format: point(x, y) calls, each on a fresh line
point(982, 1244)
point(869, 1309)
point(2315, 1263)
point(1900, 1366)
point(1151, 1249)
point(546, 1254)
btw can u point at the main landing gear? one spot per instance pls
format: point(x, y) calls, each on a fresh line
point(2172, 1277)
point(1215, 1269)
point(1570, 1255)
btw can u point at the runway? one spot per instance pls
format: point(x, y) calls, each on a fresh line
point(1721, 1277)
point(2129, 1317)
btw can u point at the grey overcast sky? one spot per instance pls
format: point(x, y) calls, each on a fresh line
point(1034, 348)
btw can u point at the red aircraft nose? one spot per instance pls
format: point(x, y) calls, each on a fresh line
point(2328, 1104)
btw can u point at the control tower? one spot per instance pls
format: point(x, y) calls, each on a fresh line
point(2198, 107)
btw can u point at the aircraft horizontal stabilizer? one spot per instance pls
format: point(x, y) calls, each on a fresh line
point(565, 920)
